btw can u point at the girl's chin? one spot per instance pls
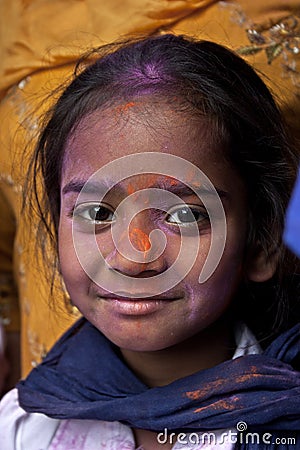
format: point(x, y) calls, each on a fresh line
point(142, 337)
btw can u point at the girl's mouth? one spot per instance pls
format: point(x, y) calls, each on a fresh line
point(136, 306)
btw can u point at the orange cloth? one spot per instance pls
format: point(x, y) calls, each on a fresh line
point(41, 42)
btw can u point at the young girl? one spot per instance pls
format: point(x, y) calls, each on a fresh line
point(167, 171)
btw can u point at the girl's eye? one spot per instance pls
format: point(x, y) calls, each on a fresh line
point(185, 215)
point(94, 212)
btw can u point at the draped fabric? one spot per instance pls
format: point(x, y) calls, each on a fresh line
point(40, 44)
point(36, 35)
point(84, 377)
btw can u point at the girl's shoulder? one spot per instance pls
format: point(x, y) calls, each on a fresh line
point(33, 431)
point(21, 430)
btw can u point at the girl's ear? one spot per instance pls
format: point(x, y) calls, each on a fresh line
point(261, 267)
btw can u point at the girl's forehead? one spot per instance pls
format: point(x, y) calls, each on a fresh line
point(105, 139)
point(139, 127)
point(154, 117)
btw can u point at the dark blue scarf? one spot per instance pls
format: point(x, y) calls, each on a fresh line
point(84, 377)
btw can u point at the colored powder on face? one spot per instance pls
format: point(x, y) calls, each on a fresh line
point(146, 181)
point(130, 189)
point(173, 182)
point(124, 108)
point(140, 239)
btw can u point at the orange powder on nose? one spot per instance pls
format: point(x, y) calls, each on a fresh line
point(140, 239)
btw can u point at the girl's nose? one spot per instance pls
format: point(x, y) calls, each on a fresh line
point(146, 257)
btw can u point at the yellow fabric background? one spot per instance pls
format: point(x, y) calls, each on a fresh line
point(40, 42)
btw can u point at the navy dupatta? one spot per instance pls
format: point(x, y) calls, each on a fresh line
point(84, 377)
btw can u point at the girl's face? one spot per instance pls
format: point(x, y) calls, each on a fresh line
point(187, 308)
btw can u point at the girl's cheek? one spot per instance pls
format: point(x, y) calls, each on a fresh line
point(68, 261)
point(105, 244)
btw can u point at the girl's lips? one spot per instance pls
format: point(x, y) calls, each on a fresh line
point(136, 306)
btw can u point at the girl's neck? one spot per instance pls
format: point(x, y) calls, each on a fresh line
point(207, 349)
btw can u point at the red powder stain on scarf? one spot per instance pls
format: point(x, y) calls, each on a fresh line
point(228, 405)
point(249, 376)
point(202, 393)
point(140, 239)
point(194, 395)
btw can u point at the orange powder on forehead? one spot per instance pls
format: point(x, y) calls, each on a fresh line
point(125, 107)
point(130, 189)
point(192, 178)
point(142, 181)
point(173, 182)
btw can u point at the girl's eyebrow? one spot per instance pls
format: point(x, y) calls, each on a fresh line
point(176, 187)
point(90, 187)
point(179, 188)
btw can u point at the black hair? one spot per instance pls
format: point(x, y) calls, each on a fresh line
point(215, 82)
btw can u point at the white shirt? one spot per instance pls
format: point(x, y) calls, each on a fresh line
point(20, 430)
